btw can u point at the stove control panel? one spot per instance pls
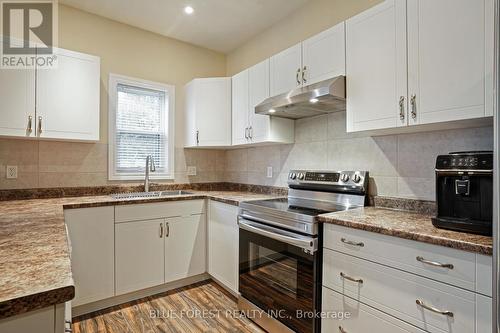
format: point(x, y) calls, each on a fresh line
point(335, 180)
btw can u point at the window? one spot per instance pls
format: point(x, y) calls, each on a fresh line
point(140, 124)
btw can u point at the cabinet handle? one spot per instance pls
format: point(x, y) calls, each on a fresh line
point(304, 74)
point(168, 230)
point(39, 125)
point(342, 330)
point(402, 108)
point(30, 121)
point(197, 137)
point(345, 241)
point(246, 133)
point(161, 230)
point(434, 263)
point(347, 277)
point(433, 309)
point(297, 76)
point(250, 132)
point(413, 102)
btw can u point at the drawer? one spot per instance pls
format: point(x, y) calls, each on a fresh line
point(152, 211)
point(484, 274)
point(402, 254)
point(396, 293)
point(358, 317)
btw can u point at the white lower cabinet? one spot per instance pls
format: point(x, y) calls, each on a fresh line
point(223, 244)
point(91, 235)
point(139, 255)
point(185, 247)
point(368, 274)
point(47, 320)
point(347, 315)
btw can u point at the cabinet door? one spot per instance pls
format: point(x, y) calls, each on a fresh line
point(17, 93)
point(185, 252)
point(213, 111)
point(190, 116)
point(484, 314)
point(450, 62)
point(323, 55)
point(91, 233)
point(286, 70)
point(68, 98)
point(223, 244)
point(240, 108)
point(376, 67)
point(39, 321)
point(258, 91)
point(139, 255)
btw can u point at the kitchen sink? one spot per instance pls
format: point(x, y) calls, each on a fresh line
point(157, 194)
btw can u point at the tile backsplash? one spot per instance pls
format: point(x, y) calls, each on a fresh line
point(44, 164)
point(399, 165)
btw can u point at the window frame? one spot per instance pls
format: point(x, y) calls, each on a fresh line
point(169, 90)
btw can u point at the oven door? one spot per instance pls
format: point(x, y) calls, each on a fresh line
point(279, 272)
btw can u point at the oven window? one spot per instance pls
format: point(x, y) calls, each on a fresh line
point(278, 278)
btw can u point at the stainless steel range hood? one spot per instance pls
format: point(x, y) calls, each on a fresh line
point(316, 99)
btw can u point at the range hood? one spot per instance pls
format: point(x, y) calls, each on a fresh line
point(316, 99)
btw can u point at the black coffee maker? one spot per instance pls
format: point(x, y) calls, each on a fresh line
point(464, 191)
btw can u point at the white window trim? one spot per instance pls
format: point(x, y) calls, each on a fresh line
point(114, 80)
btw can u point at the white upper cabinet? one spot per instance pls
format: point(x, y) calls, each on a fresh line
point(286, 69)
point(323, 55)
point(250, 88)
point(450, 59)
point(240, 108)
point(448, 75)
point(208, 112)
point(17, 93)
point(376, 67)
point(68, 98)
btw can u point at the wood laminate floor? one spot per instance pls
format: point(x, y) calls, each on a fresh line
point(202, 307)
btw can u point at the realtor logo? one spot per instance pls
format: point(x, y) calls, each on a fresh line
point(29, 34)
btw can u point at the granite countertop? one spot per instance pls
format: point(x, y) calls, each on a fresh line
point(408, 225)
point(34, 255)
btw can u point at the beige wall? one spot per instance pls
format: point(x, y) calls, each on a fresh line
point(314, 17)
point(123, 50)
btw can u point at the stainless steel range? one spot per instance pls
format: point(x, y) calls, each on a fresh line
point(280, 248)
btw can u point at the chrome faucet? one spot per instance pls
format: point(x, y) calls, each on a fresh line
point(150, 166)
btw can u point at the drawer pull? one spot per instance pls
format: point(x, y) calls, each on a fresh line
point(433, 309)
point(347, 277)
point(342, 330)
point(434, 263)
point(345, 241)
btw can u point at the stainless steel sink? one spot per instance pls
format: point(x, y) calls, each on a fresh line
point(157, 194)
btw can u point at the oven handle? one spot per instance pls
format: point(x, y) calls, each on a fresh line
point(307, 243)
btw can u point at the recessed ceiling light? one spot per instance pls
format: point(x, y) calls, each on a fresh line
point(314, 100)
point(188, 10)
point(272, 110)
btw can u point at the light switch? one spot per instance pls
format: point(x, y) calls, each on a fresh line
point(191, 171)
point(11, 172)
point(269, 172)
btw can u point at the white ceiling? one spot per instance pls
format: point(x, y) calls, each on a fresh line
point(220, 25)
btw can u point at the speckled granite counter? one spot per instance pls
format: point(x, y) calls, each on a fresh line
point(35, 268)
point(409, 225)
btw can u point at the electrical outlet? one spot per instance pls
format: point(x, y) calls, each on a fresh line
point(269, 172)
point(191, 171)
point(11, 172)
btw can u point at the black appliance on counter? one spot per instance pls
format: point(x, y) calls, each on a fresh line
point(464, 191)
